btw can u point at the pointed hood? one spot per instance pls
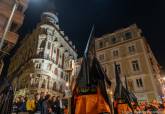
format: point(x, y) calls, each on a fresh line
point(91, 78)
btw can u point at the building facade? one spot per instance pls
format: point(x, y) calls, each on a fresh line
point(12, 37)
point(134, 58)
point(40, 62)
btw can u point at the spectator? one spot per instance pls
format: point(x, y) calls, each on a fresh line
point(42, 96)
point(46, 106)
point(57, 104)
point(16, 105)
point(38, 104)
point(154, 107)
point(30, 105)
point(53, 104)
point(22, 106)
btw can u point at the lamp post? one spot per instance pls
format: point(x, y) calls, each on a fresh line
point(9, 23)
point(68, 84)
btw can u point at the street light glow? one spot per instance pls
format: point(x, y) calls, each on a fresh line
point(67, 84)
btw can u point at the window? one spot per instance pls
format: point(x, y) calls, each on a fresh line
point(101, 57)
point(49, 32)
point(115, 53)
point(62, 75)
point(67, 78)
point(128, 35)
point(118, 68)
point(54, 50)
point(40, 54)
point(49, 45)
point(113, 40)
point(139, 83)
point(20, 8)
point(130, 85)
point(101, 44)
point(131, 49)
point(38, 66)
point(60, 56)
point(135, 65)
point(49, 66)
point(43, 42)
point(43, 84)
point(54, 86)
point(56, 71)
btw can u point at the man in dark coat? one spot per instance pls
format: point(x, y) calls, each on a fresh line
point(57, 104)
point(46, 107)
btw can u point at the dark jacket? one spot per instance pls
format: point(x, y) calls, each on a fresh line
point(38, 105)
point(57, 107)
point(44, 108)
point(22, 107)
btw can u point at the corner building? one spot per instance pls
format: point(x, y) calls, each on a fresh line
point(40, 62)
point(135, 60)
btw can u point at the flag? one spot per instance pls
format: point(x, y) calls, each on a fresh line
point(89, 94)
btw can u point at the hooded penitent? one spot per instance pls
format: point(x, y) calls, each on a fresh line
point(6, 97)
point(122, 95)
point(90, 95)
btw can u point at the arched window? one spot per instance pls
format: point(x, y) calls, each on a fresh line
point(60, 88)
point(43, 43)
point(43, 84)
point(54, 86)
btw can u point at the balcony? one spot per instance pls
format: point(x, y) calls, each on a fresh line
point(6, 11)
point(11, 36)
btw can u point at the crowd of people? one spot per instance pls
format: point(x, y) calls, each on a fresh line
point(143, 107)
point(154, 107)
point(40, 104)
point(47, 104)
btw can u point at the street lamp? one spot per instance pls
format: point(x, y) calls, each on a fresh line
point(9, 23)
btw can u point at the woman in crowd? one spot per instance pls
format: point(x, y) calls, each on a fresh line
point(30, 105)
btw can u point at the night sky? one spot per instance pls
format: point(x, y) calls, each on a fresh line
point(76, 18)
